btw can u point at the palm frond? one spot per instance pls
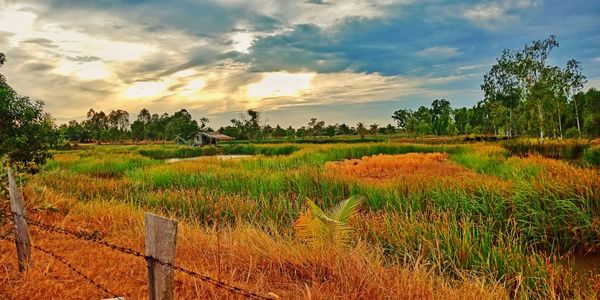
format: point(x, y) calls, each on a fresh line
point(316, 224)
point(345, 209)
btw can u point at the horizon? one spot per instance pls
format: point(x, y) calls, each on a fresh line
point(336, 61)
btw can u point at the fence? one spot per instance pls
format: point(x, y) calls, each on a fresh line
point(160, 237)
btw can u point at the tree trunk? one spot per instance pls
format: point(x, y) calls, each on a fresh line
point(510, 123)
point(541, 119)
point(577, 117)
point(559, 125)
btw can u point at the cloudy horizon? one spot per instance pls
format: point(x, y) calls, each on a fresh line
point(338, 61)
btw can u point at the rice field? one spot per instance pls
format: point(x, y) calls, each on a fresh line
point(459, 221)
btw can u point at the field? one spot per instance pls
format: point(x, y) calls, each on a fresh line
point(441, 221)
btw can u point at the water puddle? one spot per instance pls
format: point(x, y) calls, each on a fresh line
point(583, 264)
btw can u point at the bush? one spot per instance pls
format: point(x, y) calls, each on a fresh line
point(550, 149)
point(592, 156)
point(572, 133)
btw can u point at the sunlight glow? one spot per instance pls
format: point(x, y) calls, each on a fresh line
point(280, 84)
point(17, 21)
point(193, 87)
point(94, 70)
point(145, 89)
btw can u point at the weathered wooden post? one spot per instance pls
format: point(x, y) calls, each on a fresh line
point(19, 223)
point(161, 236)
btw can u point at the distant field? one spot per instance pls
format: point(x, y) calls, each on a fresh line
point(451, 220)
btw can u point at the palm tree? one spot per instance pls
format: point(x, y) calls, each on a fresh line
point(332, 226)
point(361, 130)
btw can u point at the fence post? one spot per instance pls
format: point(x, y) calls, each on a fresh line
point(161, 236)
point(19, 223)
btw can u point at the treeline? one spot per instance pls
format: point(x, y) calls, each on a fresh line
point(489, 117)
point(115, 126)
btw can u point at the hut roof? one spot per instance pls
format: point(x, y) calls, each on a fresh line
point(216, 136)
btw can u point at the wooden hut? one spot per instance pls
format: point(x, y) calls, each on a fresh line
point(209, 138)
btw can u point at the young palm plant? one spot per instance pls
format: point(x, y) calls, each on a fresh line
point(332, 226)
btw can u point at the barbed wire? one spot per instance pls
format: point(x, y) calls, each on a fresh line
point(65, 262)
point(95, 237)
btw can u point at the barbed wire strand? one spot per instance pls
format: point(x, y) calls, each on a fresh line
point(94, 237)
point(65, 262)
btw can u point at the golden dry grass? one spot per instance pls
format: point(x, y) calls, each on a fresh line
point(244, 255)
point(414, 171)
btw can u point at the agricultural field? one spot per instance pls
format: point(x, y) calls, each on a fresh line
point(434, 221)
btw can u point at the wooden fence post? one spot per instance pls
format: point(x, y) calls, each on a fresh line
point(161, 236)
point(19, 223)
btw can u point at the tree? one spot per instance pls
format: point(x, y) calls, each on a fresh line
point(331, 130)
point(204, 123)
point(181, 124)
point(574, 80)
point(440, 116)
point(26, 131)
point(118, 124)
point(361, 129)
point(402, 117)
point(373, 129)
point(315, 128)
point(461, 119)
point(592, 112)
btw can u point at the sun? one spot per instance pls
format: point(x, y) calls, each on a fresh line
point(280, 84)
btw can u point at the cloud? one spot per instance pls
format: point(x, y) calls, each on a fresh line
point(85, 58)
point(35, 67)
point(41, 41)
point(363, 53)
point(492, 14)
point(439, 52)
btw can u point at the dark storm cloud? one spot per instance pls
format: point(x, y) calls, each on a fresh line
point(84, 58)
point(36, 67)
point(42, 42)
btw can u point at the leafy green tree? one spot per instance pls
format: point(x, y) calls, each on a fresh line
point(331, 130)
point(315, 127)
point(26, 131)
point(440, 116)
point(402, 118)
point(574, 80)
point(181, 124)
point(592, 112)
point(461, 120)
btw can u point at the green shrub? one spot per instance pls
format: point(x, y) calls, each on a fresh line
point(571, 133)
point(550, 149)
point(592, 156)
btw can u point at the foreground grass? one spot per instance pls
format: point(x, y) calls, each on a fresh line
point(271, 263)
point(463, 212)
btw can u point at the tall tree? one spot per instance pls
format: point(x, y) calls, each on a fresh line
point(517, 73)
point(574, 80)
point(361, 129)
point(440, 116)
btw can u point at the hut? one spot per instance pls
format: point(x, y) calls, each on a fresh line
point(209, 138)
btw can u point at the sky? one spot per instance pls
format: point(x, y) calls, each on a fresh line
point(338, 61)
